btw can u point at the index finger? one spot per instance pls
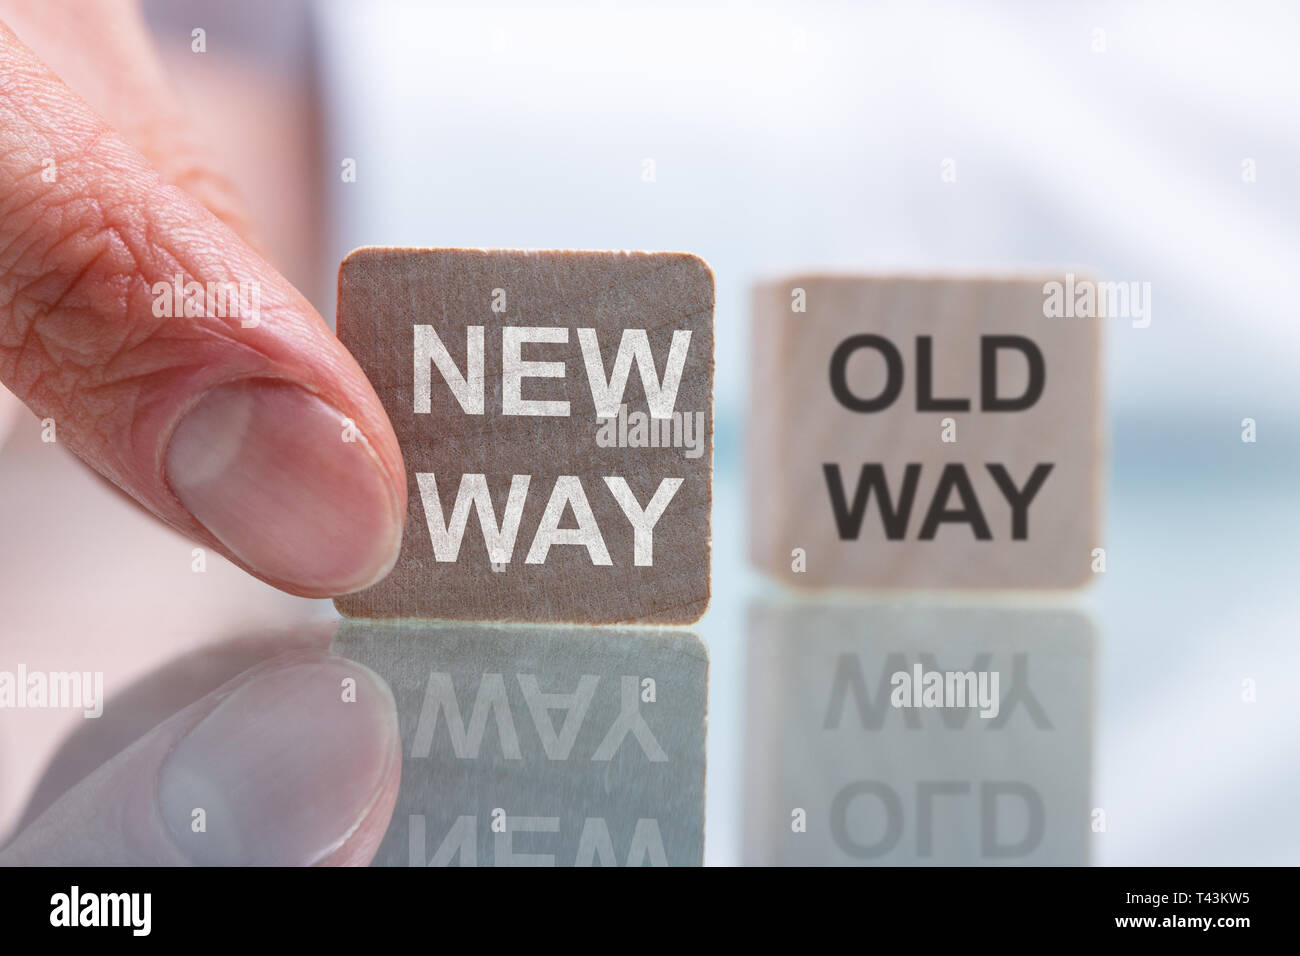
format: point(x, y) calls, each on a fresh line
point(249, 428)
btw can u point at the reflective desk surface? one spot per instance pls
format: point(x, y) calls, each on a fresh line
point(1145, 720)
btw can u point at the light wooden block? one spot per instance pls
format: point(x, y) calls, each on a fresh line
point(886, 785)
point(810, 440)
point(530, 423)
point(542, 746)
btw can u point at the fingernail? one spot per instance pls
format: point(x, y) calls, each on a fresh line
point(284, 769)
point(267, 468)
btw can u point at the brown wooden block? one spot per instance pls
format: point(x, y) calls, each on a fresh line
point(555, 412)
point(855, 479)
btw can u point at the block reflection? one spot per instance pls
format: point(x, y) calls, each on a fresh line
point(542, 746)
point(855, 756)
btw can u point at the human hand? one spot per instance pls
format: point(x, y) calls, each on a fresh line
point(99, 201)
point(254, 434)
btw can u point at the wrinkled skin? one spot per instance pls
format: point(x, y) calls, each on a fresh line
point(105, 190)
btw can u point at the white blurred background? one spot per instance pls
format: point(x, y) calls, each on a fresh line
point(1110, 136)
point(1152, 142)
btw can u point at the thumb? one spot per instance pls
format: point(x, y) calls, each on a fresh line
point(275, 768)
point(253, 432)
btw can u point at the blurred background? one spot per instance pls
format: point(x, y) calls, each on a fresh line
point(1150, 142)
